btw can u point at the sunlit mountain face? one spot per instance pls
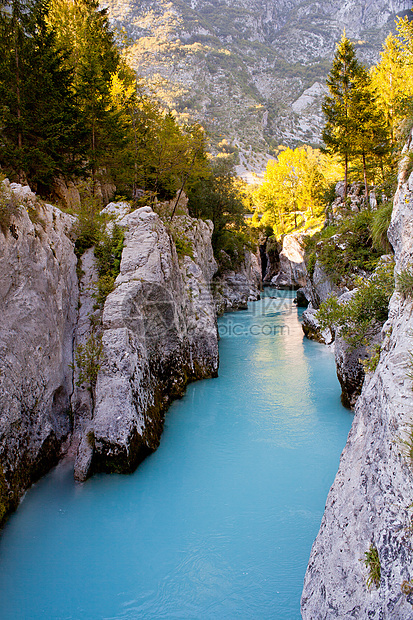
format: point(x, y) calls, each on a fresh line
point(253, 71)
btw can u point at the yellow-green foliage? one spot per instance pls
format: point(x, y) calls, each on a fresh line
point(292, 194)
point(183, 246)
point(404, 282)
point(88, 359)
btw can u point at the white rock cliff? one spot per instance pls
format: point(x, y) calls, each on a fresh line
point(370, 501)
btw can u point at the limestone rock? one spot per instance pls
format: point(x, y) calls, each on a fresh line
point(369, 502)
point(301, 298)
point(234, 289)
point(38, 301)
point(293, 272)
point(311, 327)
point(322, 287)
point(159, 332)
point(67, 193)
point(350, 370)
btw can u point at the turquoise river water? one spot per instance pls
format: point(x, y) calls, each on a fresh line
point(219, 522)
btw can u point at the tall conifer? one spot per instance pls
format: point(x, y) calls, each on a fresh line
point(338, 129)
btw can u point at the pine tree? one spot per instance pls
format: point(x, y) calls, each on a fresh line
point(338, 133)
point(83, 31)
point(40, 129)
point(370, 131)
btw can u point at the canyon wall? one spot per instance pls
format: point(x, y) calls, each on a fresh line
point(369, 505)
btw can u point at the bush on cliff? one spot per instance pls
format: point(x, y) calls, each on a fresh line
point(346, 248)
point(367, 309)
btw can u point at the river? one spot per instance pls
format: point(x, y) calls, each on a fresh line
point(219, 522)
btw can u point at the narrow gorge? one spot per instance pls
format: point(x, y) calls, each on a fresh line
point(206, 326)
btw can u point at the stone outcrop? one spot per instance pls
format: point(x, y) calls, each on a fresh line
point(350, 370)
point(369, 504)
point(271, 256)
point(311, 327)
point(318, 288)
point(234, 289)
point(38, 306)
point(292, 269)
point(159, 333)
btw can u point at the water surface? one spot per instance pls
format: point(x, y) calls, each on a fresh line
point(219, 522)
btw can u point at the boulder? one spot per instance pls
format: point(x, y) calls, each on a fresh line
point(292, 272)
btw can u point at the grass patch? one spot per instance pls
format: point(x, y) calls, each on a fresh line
point(404, 282)
point(372, 563)
point(379, 227)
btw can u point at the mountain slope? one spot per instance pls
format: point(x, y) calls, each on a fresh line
point(251, 70)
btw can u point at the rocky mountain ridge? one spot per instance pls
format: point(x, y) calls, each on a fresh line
point(252, 70)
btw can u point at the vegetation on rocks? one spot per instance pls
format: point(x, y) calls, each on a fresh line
point(404, 282)
point(372, 563)
point(345, 249)
point(359, 317)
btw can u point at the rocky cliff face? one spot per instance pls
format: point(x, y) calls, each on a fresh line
point(252, 71)
point(292, 272)
point(369, 504)
point(233, 289)
point(159, 333)
point(38, 307)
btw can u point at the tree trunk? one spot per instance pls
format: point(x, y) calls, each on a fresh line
point(18, 97)
point(345, 176)
point(366, 191)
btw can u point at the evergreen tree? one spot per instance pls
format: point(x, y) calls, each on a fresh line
point(83, 31)
point(338, 133)
point(40, 125)
point(389, 81)
point(370, 131)
point(219, 197)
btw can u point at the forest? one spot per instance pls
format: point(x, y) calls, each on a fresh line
point(73, 109)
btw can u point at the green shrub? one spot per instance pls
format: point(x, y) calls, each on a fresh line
point(88, 360)
point(234, 244)
point(311, 261)
point(372, 563)
point(379, 227)
point(366, 309)
point(404, 282)
point(88, 231)
point(184, 246)
point(370, 364)
point(348, 247)
point(108, 253)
